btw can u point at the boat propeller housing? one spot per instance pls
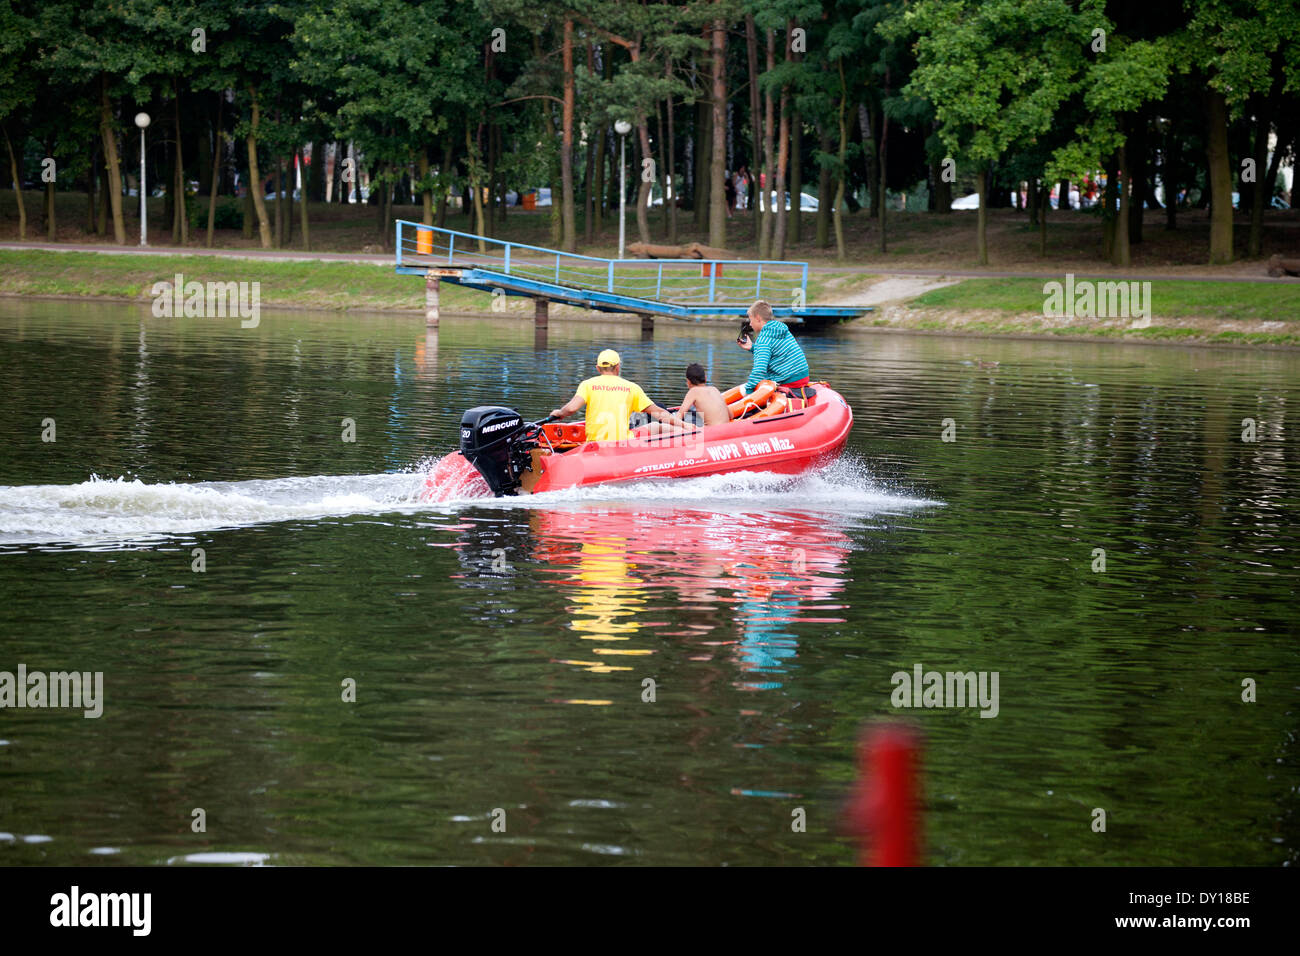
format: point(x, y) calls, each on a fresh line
point(490, 440)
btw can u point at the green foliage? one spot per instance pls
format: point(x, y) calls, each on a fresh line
point(229, 213)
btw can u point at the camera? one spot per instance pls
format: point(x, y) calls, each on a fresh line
point(746, 331)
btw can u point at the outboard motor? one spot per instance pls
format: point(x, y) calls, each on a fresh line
point(490, 440)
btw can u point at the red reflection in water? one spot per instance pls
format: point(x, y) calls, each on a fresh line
point(738, 578)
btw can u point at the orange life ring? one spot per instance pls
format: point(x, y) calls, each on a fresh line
point(758, 398)
point(777, 406)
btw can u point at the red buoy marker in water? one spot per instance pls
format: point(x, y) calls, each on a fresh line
point(884, 811)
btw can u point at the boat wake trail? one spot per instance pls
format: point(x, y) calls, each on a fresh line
point(113, 513)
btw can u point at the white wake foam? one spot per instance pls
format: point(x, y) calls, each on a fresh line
point(114, 512)
point(123, 509)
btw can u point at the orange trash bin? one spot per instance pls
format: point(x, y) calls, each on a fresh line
point(424, 242)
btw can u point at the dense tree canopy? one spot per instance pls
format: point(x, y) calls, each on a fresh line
point(1168, 103)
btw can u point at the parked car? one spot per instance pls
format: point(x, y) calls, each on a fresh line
point(807, 203)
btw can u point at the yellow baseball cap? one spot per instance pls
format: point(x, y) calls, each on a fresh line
point(608, 357)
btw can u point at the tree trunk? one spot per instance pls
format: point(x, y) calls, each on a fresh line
point(671, 190)
point(15, 171)
point(91, 177)
point(756, 128)
point(796, 177)
point(599, 159)
point(386, 209)
point(1263, 191)
point(703, 163)
point(249, 214)
point(1063, 197)
point(51, 226)
point(315, 187)
point(661, 168)
point(444, 173)
point(868, 122)
point(824, 206)
point(588, 171)
point(1121, 254)
point(942, 190)
point(783, 157)
point(302, 208)
point(841, 171)
point(1109, 199)
point(1169, 179)
point(982, 220)
point(105, 207)
point(476, 195)
point(491, 209)
point(215, 174)
point(290, 180)
point(204, 154)
point(169, 193)
point(1135, 176)
point(1219, 171)
point(767, 179)
point(426, 190)
point(643, 184)
point(183, 219)
point(255, 175)
point(569, 211)
point(1044, 203)
point(501, 177)
point(718, 158)
point(279, 202)
point(110, 156)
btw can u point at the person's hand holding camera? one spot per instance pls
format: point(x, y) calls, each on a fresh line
point(746, 339)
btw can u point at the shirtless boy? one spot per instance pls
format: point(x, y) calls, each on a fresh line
point(704, 398)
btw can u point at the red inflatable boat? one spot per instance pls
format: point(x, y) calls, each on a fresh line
point(770, 431)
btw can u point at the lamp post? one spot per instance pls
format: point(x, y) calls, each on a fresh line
point(142, 121)
point(622, 127)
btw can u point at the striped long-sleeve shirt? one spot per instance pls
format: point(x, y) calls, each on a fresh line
point(777, 356)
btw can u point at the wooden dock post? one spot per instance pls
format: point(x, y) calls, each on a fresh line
point(432, 311)
point(541, 313)
point(647, 325)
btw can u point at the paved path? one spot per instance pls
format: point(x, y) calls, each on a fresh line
point(867, 268)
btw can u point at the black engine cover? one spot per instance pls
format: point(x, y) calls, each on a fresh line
point(487, 436)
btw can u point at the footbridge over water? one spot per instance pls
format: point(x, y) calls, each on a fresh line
point(683, 289)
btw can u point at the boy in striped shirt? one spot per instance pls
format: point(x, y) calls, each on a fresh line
point(777, 356)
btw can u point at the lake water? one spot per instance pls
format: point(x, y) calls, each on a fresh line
point(500, 649)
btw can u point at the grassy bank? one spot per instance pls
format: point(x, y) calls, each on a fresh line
point(1183, 311)
point(324, 285)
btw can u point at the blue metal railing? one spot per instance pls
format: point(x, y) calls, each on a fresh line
point(678, 281)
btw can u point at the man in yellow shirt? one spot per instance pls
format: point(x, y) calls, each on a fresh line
point(610, 400)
